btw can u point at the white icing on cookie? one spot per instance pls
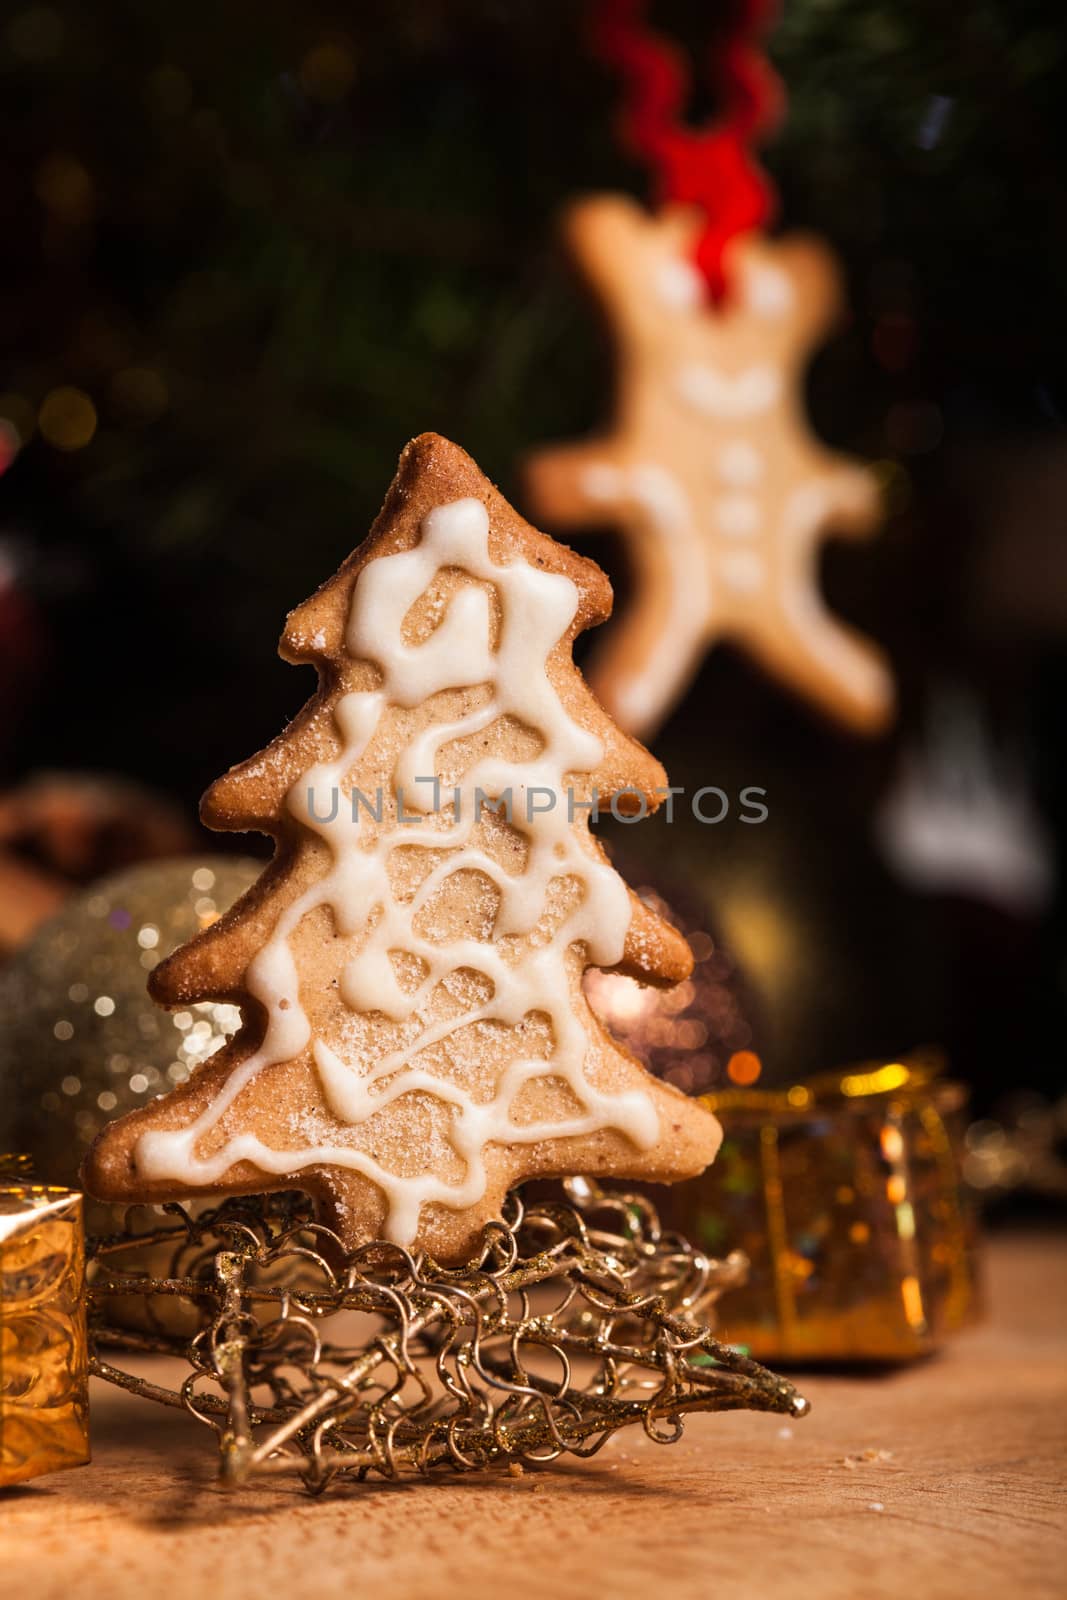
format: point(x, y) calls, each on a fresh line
point(768, 290)
point(659, 495)
point(718, 394)
point(680, 285)
point(743, 571)
point(537, 608)
point(737, 515)
point(845, 658)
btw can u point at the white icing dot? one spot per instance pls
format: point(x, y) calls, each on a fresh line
point(743, 571)
point(737, 515)
point(740, 463)
point(679, 285)
point(768, 291)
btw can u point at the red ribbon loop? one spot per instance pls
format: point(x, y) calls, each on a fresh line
point(713, 167)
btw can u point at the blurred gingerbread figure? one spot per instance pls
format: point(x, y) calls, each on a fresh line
point(710, 471)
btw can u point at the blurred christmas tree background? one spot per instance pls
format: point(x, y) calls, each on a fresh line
point(250, 250)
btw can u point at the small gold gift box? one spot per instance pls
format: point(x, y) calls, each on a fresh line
point(845, 1194)
point(44, 1410)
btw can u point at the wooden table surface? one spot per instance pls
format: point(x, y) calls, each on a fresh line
point(966, 1500)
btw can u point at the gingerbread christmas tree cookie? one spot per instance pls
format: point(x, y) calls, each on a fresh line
point(415, 1035)
point(710, 471)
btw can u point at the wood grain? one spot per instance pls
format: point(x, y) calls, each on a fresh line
point(742, 1509)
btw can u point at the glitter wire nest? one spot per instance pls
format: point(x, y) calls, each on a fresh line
point(578, 1318)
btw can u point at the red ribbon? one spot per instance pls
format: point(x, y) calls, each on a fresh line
point(712, 167)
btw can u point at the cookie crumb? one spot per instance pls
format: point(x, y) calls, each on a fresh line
point(862, 1457)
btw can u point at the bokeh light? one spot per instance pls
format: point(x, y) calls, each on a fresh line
point(327, 72)
point(65, 189)
point(744, 1068)
point(67, 418)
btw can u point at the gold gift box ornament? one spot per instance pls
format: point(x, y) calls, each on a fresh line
point(845, 1194)
point(44, 1407)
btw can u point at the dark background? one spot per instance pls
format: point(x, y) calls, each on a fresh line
point(266, 244)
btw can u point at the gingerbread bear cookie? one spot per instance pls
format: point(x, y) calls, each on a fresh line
point(415, 1034)
point(710, 472)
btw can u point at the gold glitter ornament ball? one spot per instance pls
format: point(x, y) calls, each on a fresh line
point(80, 1040)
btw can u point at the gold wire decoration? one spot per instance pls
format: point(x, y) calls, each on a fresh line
point(580, 1317)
